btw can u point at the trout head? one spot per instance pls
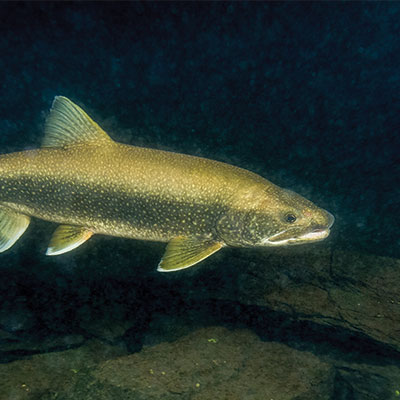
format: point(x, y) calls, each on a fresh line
point(274, 217)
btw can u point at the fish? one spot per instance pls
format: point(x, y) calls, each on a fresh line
point(89, 184)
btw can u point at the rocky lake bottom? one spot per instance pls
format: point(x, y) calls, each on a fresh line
point(300, 324)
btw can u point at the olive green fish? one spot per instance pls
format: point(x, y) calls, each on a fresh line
point(89, 184)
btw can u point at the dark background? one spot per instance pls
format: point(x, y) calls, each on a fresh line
point(305, 94)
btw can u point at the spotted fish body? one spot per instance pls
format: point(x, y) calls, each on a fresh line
point(90, 184)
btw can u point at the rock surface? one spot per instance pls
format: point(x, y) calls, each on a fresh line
point(45, 376)
point(357, 292)
point(210, 363)
point(334, 313)
point(214, 363)
point(207, 363)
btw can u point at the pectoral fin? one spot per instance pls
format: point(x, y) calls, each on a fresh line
point(12, 226)
point(66, 238)
point(183, 252)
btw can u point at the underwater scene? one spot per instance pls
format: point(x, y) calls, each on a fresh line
point(199, 201)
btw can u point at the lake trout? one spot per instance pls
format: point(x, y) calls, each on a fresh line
point(89, 184)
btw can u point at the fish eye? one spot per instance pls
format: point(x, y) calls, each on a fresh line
point(290, 218)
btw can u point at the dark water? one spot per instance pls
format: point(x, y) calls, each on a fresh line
point(305, 94)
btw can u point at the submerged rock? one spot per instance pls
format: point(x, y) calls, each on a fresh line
point(15, 316)
point(46, 376)
point(207, 363)
point(352, 291)
point(15, 347)
point(215, 363)
point(210, 363)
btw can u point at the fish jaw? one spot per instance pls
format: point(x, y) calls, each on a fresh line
point(315, 235)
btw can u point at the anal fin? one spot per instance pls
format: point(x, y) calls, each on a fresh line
point(183, 252)
point(66, 238)
point(12, 226)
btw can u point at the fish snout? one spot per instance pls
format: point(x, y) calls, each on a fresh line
point(320, 229)
point(330, 219)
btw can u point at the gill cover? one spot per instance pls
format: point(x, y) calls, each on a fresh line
point(232, 228)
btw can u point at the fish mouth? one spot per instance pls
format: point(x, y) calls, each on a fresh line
point(287, 238)
point(315, 234)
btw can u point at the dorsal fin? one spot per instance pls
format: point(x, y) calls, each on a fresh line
point(68, 125)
